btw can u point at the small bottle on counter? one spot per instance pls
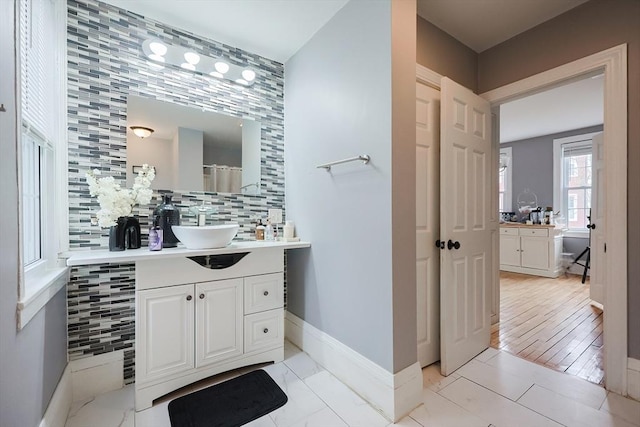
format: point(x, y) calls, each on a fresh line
point(155, 238)
point(268, 232)
point(259, 230)
point(287, 230)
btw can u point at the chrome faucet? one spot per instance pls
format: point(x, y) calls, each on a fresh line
point(201, 212)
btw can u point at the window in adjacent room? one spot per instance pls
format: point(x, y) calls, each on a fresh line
point(572, 180)
point(504, 180)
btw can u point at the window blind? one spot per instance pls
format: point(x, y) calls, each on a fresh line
point(38, 54)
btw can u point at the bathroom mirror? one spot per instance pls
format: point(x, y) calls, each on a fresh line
point(192, 149)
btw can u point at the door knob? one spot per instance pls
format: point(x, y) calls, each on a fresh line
point(451, 244)
point(439, 244)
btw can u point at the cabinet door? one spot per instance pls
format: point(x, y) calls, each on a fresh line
point(534, 252)
point(218, 321)
point(509, 250)
point(164, 341)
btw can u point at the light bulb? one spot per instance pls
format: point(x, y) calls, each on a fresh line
point(216, 74)
point(158, 48)
point(221, 67)
point(242, 82)
point(188, 66)
point(156, 57)
point(192, 58)
point(249, 75)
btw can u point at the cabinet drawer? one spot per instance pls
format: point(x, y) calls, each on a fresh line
point(538, 232)
point(509, 231)
point(263, 330)
point(263, 293)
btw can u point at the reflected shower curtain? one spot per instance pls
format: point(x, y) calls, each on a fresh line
point(222, 179)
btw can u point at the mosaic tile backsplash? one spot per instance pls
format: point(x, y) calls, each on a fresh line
point(105, 66)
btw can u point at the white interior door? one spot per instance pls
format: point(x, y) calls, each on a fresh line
point(465, 202)
point(428, 222)
point(598, 255)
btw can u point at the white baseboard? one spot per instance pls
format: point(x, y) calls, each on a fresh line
point(633, 378)
point(394, 395)
point(95, 375)
point(60, 403)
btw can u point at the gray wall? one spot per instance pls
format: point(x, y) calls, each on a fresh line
point(33, 359)
point(338, 100)
point(585, 30)
point(533, 165)
point(445, 55)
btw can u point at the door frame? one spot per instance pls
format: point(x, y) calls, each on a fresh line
point(613, 63)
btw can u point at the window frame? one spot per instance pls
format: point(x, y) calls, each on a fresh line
point(558, 192)
point(42, 279)
point(508, 180)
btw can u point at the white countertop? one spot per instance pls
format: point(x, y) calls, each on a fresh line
point(104, 256)
point(519, 224)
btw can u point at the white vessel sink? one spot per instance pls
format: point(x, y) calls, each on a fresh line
point(205, 237)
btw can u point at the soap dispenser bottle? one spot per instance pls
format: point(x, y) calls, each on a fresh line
point(259, 230)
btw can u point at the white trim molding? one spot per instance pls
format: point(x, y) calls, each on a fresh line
point(633, 375)
point(427, 76)
point(60, 403)
point(394, 395)
point(613, 62)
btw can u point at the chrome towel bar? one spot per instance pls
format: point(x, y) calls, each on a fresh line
point(364, 158)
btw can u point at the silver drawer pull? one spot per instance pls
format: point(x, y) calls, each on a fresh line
point(265, 293)
point(265, 330)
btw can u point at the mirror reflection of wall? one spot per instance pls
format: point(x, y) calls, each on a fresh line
point(194, 150)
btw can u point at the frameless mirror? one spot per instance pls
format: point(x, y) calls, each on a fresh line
point(192, 149)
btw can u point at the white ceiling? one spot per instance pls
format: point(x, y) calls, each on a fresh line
point(481, 24)
point(274, 29)
point(277, 29)
point(572, 106)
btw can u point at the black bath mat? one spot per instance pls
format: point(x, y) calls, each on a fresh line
point(229, 404)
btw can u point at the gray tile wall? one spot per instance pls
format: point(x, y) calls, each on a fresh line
point(105, 66)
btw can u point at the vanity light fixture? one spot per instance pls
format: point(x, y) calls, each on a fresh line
point(161, 53)
point(141, 131)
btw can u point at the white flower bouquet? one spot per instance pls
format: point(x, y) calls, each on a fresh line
point(116, 201)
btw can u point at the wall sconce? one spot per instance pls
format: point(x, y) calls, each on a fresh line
point(162, 53)
point(141, 131)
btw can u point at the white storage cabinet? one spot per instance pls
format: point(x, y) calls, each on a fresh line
point(531, 250)
point(193, 322)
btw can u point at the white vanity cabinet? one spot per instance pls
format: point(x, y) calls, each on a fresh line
point(532, 250)
point(229, 314)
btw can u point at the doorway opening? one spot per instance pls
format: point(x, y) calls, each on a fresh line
point(612, 63)
point(545, 197)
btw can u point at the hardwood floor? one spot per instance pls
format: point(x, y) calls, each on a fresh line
point(550, 322)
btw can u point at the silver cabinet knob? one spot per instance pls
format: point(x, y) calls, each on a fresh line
point(189, 297)
point(265, 330)
point(265, 293)
point(201, 296)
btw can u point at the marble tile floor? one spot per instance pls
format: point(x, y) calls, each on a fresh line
point(494, 389)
